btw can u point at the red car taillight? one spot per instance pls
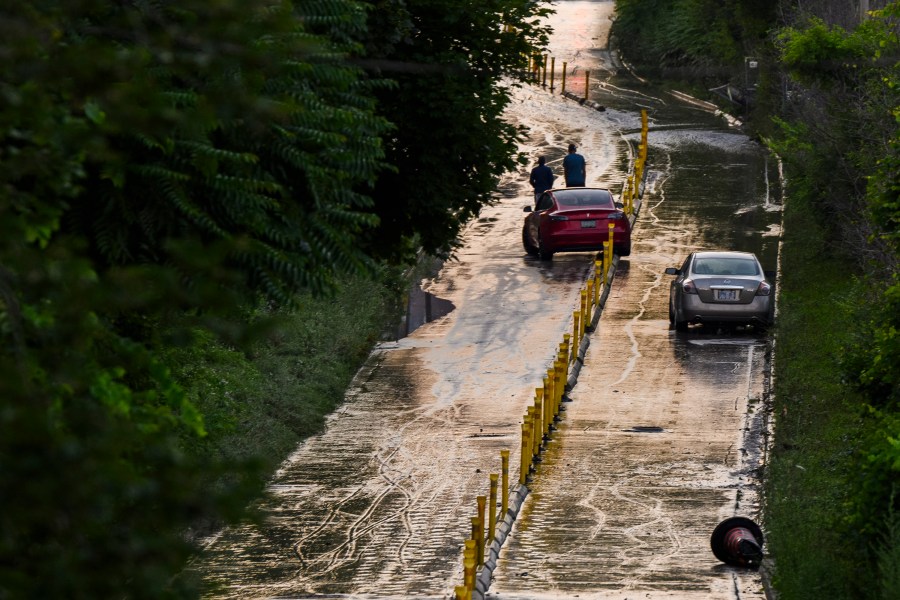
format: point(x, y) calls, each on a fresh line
point(688, 287)
point(764, 289)
point(559, 218)
point(616, 216)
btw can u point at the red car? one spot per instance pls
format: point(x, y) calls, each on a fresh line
point(575, 220)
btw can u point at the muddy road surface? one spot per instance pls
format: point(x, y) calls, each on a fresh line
point(663, 438)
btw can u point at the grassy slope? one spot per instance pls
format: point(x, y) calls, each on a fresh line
point(818, 428)
point(260, 403)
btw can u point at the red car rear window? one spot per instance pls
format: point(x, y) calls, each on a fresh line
point(582, 197)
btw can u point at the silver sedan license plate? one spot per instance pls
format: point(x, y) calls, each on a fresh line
point(726, 294)
point(587, 224)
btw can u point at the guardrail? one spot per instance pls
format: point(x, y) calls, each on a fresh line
point(540, 417)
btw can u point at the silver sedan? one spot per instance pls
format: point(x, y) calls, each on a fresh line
point(720, 287)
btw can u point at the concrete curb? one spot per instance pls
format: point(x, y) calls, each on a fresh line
point(483, 579)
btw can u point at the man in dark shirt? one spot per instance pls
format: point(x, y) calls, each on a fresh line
point(541, 179)
point(574, 168)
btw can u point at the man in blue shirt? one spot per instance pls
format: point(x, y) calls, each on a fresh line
point(541, 179)
point(574, 168)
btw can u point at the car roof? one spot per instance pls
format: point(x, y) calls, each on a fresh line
point(723, 254)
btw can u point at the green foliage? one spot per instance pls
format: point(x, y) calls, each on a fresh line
point(155, 159)
point(164, 164)
point(888, 552)
point(263, 399)
point(691, 33)
point(879, 476)
point(818, 427)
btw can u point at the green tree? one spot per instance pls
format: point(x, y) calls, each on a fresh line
point(452, 63)
point(155, 158)
point(703, 35)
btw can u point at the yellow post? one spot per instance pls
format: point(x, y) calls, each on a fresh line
point(461, 591)
point(540, 414)
point(531, 430)
point(552, 70)
point(551, 390)
point(576, 331)
point(607, 255)
point(482, 502)
point(560, 386)
point(598, 278)
point(469, 565)
point(587, 80)
point(477, 535)
point(562, 88)
point(548, 405)
point(626, 198)
point(644, 128)
point(590, 298)
point(630, 185)
point(526, 452)
point(504, 492)
point(584, 311)
point(563, 360)
point(492, 508)
point(611, 227)
point(544, 81)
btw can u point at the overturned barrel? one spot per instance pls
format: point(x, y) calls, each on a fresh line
point(738, 541)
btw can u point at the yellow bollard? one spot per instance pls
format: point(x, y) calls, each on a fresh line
point(478, 536)
point(607, 256)
point(552, 71)
point(611, 242)
point(538, 425)
point(526, 453)
point(576, 331)
point(562, 89)
point(531, 430)
point(560, 382)
point(626, 199)
point(461, 591)
point(492, 507)
point(587, 79)
point(584, 311)
point(482, 502)
point(644, 127)
point(504, 492)
point(590, 297)
point(548, 406)
point(469, 565)
point(550, 393)
point(565, 368)
point(598, 279)
point(544, 81)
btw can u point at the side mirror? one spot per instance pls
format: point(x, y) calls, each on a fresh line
point(672, 271)
point(526, 209)
point(619, 205)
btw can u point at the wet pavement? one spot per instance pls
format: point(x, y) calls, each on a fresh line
point(664, 435)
